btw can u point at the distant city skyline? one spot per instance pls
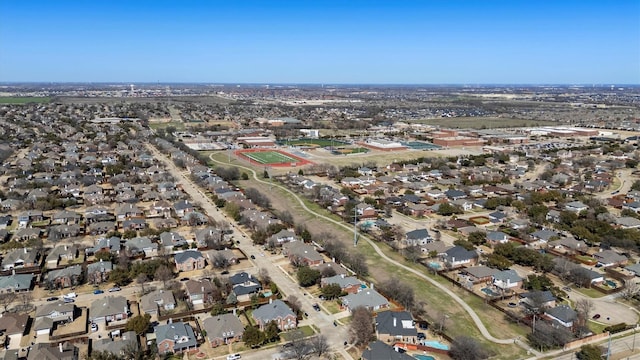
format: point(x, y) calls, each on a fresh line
point(330, 42)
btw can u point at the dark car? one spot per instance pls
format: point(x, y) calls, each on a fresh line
point(253, 257)
point(596, 316)
point(287, 345)
point(98, 291)
point(184, 279)
point(423, 325)
point(53, 298)
point(421, 336)
point(316, 307)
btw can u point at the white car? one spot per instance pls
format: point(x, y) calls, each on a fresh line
point(94, 327)
point(70, 295)
point(114, 289)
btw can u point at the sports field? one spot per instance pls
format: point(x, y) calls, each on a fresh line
point(272, 158)
point(23, 100)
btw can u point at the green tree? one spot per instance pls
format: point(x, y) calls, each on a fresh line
point(589, 352)
point(104, 255)
point(252, 336)
point(271, 331)
point(477, 238)
point(498, 261)
point(218, 309)
point(446, 209)
point(331, 291)
point(465, 244)
point(119, 276)
point(307, 276)
point(245, 176)
point(139, 324)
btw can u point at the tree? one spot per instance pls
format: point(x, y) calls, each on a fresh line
point(6, 299)
point(300, 348)
point(477, 238)
point(589, 352)
point(358, 263)
point(141, 279)
point(218, 309)
point(252, 336)
point(119, 276)
point(164, 274)
point(498, 261)
point(446, 209)
point(331, 291)
point(583, 308)
point(320, 345)
point(139, 324)
point(263, 276)
point(630, 290)
point(271, 331)
point(307, 276)
point(467, 348)
point(219, 261)
point(361, 330)
point(546, 336)
point(294, 304)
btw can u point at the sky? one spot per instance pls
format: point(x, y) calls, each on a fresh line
point(321, 42)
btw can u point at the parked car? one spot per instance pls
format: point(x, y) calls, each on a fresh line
point(316, 307)
point(421, 336)
point(94, 327)
point(70, 295)
point(253, 257)
point(596, 316)
point(114, 289)
point(68, 300)
point(53, 298)
point(98, 291)
point(566, 288)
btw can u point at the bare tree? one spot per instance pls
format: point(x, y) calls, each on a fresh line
point(263, 276)
point(467, 348)
point(320, 344)
point(163, 273)
point(300, 348)
point(294, 303)
point(583, 308)
point(26, 298)
point(361, 330)
point(6, 299)
point(219, 261)
point(630, 290)
point(142, 279)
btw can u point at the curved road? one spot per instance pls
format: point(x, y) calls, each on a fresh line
point(465, 306)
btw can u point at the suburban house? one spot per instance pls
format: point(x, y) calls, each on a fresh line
point(229, 255)
point(21, 258)
point(223, 329)
point(304, 253)
point(562, 314)
point(189, 260)
point(282, 237)
point(141, 246)
point(544, 236)
point(157, 299)
point(418, 237)
point(16, 283)
point(609, 258)
point(394, 326)
point(51, 313)
point(459, 256)
point(66, 351)
point(497, 237)
point(277, 311)
point(368, 298)
point(348, 284)
point(116, 347)
point(628, 222)
point(98, 272)
point(377, 350)
point(199, 291)
point(61, 253)
point(244, 285)
point(507, 279)
point(65, 277)
point(330, 269)
point(170, 240)
point(175, 337)
point(481, 273)
point(576, 206)
point(538, 298)
point(108, 309)
point(13, 327)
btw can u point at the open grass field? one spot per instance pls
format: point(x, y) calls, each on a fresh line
point(483, 122)
point(314, 142)
point(24, 100)
point(347, 151)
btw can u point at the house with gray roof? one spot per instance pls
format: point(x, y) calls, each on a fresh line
point(108, 309)
point(418, 237)
point(282, 236)
point(348, 284)
point(497, 237)
point(628, 222)
point(21, 258)
point(367, 298)
point(111, 245)
point(481, 273)
point(175, 337)
point(394, 326)
point(377, 350)
point(116, 347)
point(223, 329)
point(199, 291)
point(244, 285)
point(171, 240)
point(189, 260)
point(545, 235)
point(459, 256)
point(575, 206)
point(538, 298)
point(157, 299)
point(277, 311)
point(16, 283)
point(141, 245)
point(50, 313)
point(562, 314)
point(98, 272)
point(47, 351)
point(609, 258)
point(507, 279)
point(635, 268)
point(65, 277)
point(61, 253)
point(297, 251)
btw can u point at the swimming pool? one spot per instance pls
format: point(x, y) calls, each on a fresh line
point(434, 265)
point(611, 283)
point(489, 292)
point(436, 345)
point(424, 357)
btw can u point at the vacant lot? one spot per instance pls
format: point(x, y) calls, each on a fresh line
point(24, 100)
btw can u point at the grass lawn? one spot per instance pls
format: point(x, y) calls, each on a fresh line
point(331, 306)
point(269, 157)
point(24, 100)
point(178, 125)
point(306, 331)
point(597, 328)
point(592, 293)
